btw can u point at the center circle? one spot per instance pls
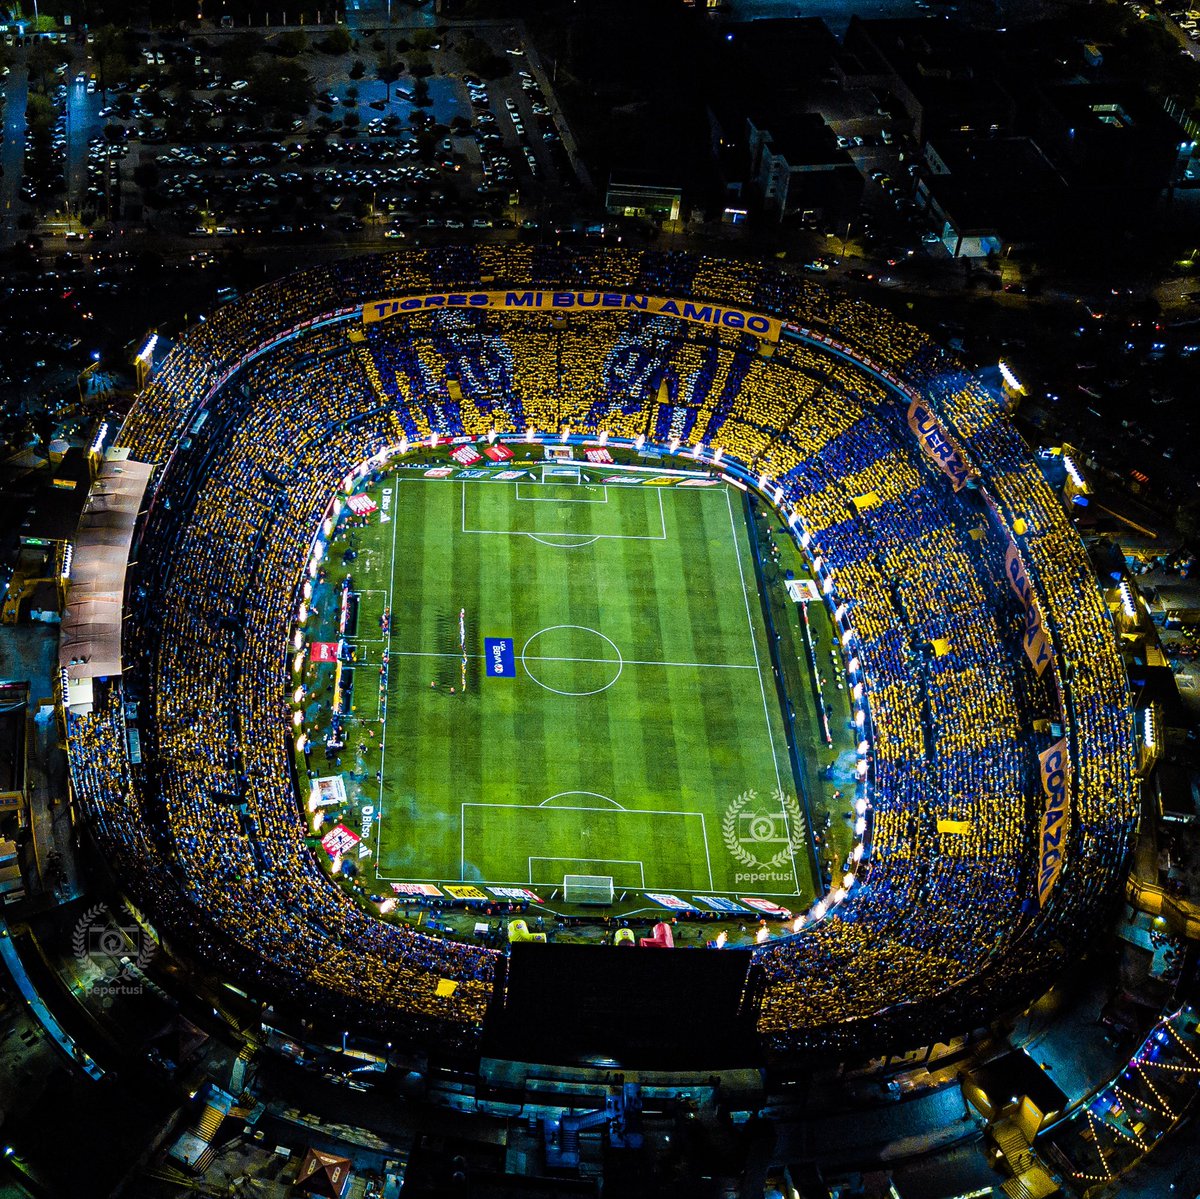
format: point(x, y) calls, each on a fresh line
point(571, 659)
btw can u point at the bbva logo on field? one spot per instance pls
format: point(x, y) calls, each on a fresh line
point(499, 657)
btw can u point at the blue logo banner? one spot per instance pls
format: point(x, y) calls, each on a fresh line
point(500, 661)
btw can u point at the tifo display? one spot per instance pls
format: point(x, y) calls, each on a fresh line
point(874, 601)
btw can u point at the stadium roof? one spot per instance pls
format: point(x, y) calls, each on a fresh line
point(90, 645)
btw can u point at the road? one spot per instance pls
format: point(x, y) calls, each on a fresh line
point(12, 153)
point(83, 123)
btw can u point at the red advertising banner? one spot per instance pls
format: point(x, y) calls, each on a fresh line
point(518, 893)
point(764, 905)
point(466, 455)
point(338, 840)
point(498, 453)
point(362, 505)
point(323, 651)
point(600, 456)
point(426, 890)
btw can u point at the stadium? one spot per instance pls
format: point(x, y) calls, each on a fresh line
point(485, 597)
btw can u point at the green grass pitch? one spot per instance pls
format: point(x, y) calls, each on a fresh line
point(643, 705)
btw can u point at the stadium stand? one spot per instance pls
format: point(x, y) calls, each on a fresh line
point(938, 930)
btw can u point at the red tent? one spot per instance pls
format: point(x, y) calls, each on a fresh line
point(663, 937)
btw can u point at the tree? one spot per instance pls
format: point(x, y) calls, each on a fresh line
point(388, 70)
point(146, 175)
point(238, 54)
point(480, 60)
point(336, 41)
point(43, 57)
point(114, 51)
point(1187, 522)
point(39, 112)
point(283, 85)
point(291, 43)
point(184, 74)
point(426, 145)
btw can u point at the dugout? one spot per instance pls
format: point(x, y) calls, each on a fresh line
point(663, 1009)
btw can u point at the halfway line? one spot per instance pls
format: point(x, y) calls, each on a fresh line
point(598, 661)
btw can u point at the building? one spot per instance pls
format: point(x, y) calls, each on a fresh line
point(643, 194)
point(799, 168)
point(986, 193)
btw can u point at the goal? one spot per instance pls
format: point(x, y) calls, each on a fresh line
point(561, 472)
point(585, 889)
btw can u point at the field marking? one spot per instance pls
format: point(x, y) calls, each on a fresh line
point(582, 629)
point(542, 499)
point(383, 724)
point(591, 539)
point(761, 685)
point(611, 861)
point(413, 653)
point(358, 639)
point(662, 517)
point(593, 794)
point(533, 807)
point(562, 545)
point(462, 826)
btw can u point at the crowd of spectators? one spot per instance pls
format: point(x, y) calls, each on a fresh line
point(210, 829)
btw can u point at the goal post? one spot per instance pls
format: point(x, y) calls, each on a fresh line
point(588, 889)
point(561, 472)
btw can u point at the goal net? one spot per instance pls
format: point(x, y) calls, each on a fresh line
point(560, 472)
point(588, 889)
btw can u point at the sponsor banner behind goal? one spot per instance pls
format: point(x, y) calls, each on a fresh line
point(461, 891)
point(671, 901)
point(764, 905)
point(519, 893)
point(425, 890)
point(718, 903)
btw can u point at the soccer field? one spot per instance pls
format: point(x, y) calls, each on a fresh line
point(640, 710)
